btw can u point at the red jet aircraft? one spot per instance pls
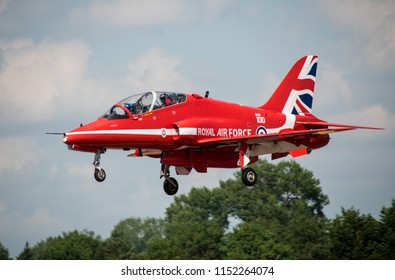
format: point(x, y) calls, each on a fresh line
point(189, 131)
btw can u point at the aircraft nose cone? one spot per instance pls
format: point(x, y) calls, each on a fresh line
point(69, 139)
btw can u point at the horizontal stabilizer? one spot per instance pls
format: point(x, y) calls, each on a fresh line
point(320, 123)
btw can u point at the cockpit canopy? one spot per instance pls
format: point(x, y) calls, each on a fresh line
point(142, 103)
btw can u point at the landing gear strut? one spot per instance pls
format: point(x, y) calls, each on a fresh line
point(248, 176)
point(170, 185)
point(100, 174)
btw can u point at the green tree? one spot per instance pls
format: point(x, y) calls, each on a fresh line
point(287, 203)
point(258, 239)
point(387, 218)
point(355, 237)
point(305, 232)
point(131, 237)
point(26, 254)
point(4, 253)
point(281, 217)
point(285, 184)
point(195, 226)
point(73, 245)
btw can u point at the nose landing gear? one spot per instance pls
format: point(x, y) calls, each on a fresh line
point(100, 174)
point(170, 185)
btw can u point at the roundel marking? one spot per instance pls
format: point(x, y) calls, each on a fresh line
point(260, 130)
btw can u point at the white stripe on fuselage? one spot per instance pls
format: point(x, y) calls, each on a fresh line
point(158, 131)
point(289, 123)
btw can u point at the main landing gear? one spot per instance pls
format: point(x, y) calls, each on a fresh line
point(100, 174)
point(248, 176)
point(170, 185)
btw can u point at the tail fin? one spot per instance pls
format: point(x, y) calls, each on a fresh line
point(295, 93)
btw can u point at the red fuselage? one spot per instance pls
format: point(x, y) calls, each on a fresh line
point(192, 132)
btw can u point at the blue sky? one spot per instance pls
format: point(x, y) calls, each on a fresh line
point(63, 63)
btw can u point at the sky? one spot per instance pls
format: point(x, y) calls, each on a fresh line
point(63, 63)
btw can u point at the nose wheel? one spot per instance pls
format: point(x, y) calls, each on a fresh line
point(170, 185)
point(100, 174)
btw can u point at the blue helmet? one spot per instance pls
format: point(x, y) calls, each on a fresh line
point(129, 107)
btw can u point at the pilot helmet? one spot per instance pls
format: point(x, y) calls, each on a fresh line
point(165, 99)
point(129, 107)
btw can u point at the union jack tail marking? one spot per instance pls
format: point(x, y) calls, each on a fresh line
point(295, 93)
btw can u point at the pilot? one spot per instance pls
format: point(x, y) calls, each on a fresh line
point(130, 107)
point(165, 99)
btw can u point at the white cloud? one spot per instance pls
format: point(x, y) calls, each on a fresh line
point(36, 80)
point(377, 115)
point(17, 153)
point(38, 221)
point(374, 115)
point(332, 89)
point(155, 70)
point(362, 16)
point(123, 13)
point(15, 44)
point(49, 80)
point(214, 8)
point(372, 24)
point(84, 170)
point(136, 13)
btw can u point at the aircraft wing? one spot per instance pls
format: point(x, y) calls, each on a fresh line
point(282, 135)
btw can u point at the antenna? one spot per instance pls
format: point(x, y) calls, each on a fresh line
point(206, 95)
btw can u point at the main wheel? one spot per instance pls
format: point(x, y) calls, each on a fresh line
point(170, 186)
point(249, 176)
point(100, 174)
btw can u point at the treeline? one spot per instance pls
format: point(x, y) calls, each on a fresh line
point(281, 217)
